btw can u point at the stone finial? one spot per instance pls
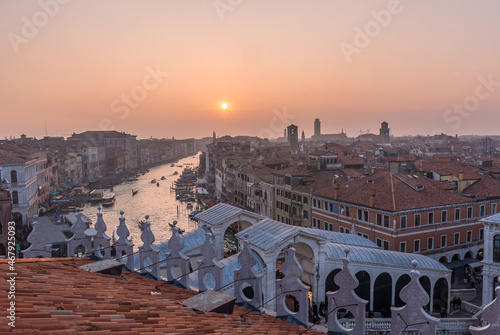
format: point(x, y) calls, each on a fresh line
point(102, 242)
point(149, 251)
point(345, 297)
point(209, 265)
point(37, 239)
point(123, 247)
point(246, 274)
point(79, 237)
point(79, 226)
point(292, 285)
point(147, 235)
point(176, 258)
point(122, 231)
point(491, 314)
point(413, 314)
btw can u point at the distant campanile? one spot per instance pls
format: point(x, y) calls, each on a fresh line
point(317, 127)
point(384, 131)
point(293, 135)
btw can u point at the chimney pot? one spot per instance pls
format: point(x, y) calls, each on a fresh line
point(336, 188)
point(371, 197)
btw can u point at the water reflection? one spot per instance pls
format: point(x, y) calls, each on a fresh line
point(156, 201)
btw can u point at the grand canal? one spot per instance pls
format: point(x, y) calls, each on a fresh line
point(156, 201)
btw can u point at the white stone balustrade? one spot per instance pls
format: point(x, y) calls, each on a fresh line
point(346, 298)
point(246, 275)
point(176, 259)
point(291, 286)
point(209, 266)
point(413, 314)
point(79, 237)
point(491, 315)
point(149, 255)
point(102, 242)
point(124, 248)
point(38, 247)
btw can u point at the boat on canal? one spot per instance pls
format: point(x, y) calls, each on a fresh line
point(108, 200)
point(96, 195)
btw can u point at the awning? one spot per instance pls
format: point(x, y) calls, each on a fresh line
point(463, 262)
point(65, 186)
point(475, 264)
point(71, 184)
point(54, 193)
point(59, 189)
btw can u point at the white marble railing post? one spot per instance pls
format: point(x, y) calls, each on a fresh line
point(37, 239)
point(412, 314)
point(148, 251)
point(291, 285)
point(79, 237)
point(346, 298)
point(209, 265)
point(246, 274)
point(102, 242)
point(175, 258)
point(491, 314)
point(124, 248)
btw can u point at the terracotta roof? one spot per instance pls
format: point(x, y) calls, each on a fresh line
point(485, 188)
point(53, 296)
point(454, 169)
point(395, 192)
point(7, 157)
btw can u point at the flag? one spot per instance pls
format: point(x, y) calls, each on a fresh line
point(343, 211)
point(333, 209)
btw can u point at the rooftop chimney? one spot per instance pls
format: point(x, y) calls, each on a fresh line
point(371, 197)
point(336, 188)
point(461, 176)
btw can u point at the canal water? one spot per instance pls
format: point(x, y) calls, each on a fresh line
point(157, 202)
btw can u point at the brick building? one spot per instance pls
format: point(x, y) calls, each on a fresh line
point(407, 213)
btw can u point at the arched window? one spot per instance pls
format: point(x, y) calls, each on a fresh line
point(496, 249)
point(15, 198)
point(13, 176)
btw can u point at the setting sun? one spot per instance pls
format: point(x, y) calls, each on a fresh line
point(224, 106)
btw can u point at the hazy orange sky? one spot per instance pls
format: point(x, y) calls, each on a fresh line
point(163, 68)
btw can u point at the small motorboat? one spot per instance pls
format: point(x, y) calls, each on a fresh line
point(172, 165)
point(162, 178)
point(131, 179)
point(153, 181)
point(157, 184)
point(134, 192)
point(108, 200)
point(176, 173)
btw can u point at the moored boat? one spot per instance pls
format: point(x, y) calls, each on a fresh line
point(108, 199)
point(96, 195)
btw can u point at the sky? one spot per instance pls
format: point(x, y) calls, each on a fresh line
point(164, 68)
